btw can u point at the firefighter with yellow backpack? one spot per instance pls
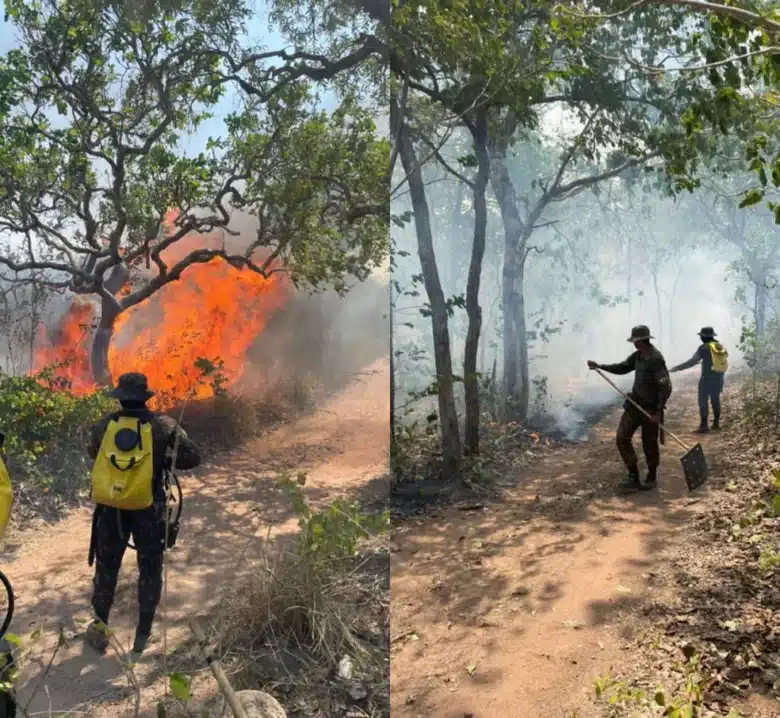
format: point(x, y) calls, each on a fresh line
point(714, 363)
point(132, 450)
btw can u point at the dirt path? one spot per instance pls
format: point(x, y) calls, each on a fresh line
point(341, 446)
point(515, 609)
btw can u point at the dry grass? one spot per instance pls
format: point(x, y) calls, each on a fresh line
point(289, 624)
point(224, 421)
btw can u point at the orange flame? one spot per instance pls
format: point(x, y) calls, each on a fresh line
point(70, 347)
point(214, 312)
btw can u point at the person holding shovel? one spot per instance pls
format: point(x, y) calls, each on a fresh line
point(714, 363)
point(651, 390)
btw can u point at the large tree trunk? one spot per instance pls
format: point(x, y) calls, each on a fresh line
point(109, 311)
point(448, 415)
point(473, 309)
point(516, 390)
point(101, 372)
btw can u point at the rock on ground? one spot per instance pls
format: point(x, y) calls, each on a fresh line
point(257, 704)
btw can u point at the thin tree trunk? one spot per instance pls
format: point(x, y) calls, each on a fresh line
point(760, 315)
point(672, 302)
point(629, 259)
point(455, 256)
point(448, 416)
point(35, 320)
point(760, 308)
point(473, 309)
point(392, 374)
point(519, 399)
point(658, 306)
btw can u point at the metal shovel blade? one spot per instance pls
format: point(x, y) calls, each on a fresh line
point(694, 467)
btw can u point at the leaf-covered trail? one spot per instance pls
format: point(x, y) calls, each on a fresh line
point(226, 508)
point(514, 609)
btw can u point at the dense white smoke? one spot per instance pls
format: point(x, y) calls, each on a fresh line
point(576, 316)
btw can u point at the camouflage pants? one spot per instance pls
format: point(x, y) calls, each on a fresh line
point(629, 423)
point(113, 528)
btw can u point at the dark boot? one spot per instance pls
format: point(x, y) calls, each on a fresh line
point(97, 637)
point(143, 633)
point(716, 423)
point(139, 644)
point(631, 482)
point(651, 479)
point(703, 428)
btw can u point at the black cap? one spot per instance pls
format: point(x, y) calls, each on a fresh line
point(640, 333)
point(707, 332)
point(131, 387)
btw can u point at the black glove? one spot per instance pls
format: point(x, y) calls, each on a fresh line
point(592, 365)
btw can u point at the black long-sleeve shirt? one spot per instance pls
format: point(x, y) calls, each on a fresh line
point(703, 355)
point(650, 376)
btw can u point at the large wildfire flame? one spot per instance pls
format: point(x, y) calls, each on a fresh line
point(214, 311)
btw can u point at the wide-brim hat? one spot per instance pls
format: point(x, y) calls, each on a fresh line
point(640, 333)
point(131, 387)
point(707, 332)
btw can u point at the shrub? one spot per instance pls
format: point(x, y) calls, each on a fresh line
point(334, 533)
point(47, 429)
point(310, 604)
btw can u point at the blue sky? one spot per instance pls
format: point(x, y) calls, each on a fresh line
point(257, 31)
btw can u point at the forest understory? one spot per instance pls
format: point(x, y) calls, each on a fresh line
point(546, 591)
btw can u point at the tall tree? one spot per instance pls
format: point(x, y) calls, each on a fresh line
point(95, 186)
point(448, 415)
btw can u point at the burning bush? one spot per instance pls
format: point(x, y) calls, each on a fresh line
point(214, 311)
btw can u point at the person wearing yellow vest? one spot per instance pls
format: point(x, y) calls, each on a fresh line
point(6, 490)
point(8, 706)
point(131, 450)
point(714, 362)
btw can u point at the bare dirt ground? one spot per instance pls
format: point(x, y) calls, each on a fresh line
point(227, 508)
point(515, 607)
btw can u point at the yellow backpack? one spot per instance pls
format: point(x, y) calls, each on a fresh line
point(123, 473)
point(6, 497)
point(720, 357)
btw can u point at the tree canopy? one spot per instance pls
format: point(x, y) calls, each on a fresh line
point(97, 183)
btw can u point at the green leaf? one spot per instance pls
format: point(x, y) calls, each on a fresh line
point(660, 698)
point(752, 197)
point(180, 687)
point(776, 505)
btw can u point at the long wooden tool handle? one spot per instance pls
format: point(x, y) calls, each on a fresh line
point(222, 681)
point(628, 398)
